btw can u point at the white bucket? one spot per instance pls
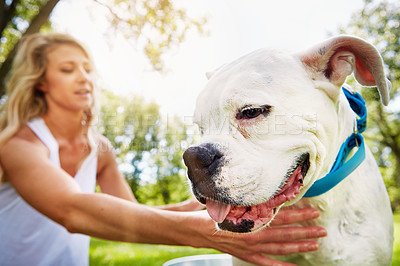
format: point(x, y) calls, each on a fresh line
point(202, 260)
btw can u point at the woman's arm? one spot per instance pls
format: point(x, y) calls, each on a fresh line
point(188, 205)
point(53, 192)
point(111, 181)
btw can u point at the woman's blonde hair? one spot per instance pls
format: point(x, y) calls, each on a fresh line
point(23, 101)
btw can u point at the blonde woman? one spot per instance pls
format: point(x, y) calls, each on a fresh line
point(51, 159)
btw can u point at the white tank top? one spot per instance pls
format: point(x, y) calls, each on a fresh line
point(29, 238)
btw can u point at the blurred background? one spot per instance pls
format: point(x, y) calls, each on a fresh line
point(152, 55)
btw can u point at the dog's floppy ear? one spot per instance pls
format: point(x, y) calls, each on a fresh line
point(209, 74)
point(338, 57)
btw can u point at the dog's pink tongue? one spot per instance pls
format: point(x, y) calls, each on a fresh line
point(217, 210)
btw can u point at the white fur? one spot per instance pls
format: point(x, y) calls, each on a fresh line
point(309, 114)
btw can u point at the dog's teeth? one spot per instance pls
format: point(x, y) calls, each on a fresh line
point(290, 196)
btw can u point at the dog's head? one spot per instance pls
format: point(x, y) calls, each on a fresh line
point(267, 122)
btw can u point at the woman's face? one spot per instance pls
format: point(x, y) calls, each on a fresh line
point(68, 82)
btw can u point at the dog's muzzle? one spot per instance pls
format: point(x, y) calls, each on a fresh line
point(204, 163)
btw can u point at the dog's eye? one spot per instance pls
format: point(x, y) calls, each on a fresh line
point(253, 112)
point(201, 131)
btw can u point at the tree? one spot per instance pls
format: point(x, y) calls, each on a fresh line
point(170, 184)
point(149, 147)
point(132, 126)
point(158, 24)
point(19, 17)
point(379, 22)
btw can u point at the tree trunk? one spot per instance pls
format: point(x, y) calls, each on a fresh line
point(37, 22)
point(6, 13)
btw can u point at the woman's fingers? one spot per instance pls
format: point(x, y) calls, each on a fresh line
point(280, 249)
point(280, 239)
point(294, 216)
point(287, 234)
point(288, 248)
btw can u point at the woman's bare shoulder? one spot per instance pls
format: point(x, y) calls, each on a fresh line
point(105, 151)
point(22, 147)
point(24, 141)
point(103, 144)
point(24, 136)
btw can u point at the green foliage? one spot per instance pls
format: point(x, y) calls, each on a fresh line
point(170, 174)
point(396, 245)
point(153, 26)
point(379, 23)
point(149, 147)
point(132, 127)
point(24, 13)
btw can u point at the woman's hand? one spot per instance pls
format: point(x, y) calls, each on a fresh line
point(274, 240)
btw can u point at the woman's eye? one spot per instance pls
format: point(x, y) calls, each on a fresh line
point(250, 113)
point(65, 70)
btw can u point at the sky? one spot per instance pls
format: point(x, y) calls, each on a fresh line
point(235, 28)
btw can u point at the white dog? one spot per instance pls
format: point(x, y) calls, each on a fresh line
point(272, 126)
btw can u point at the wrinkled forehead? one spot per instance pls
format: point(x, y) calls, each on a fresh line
point(262, 77)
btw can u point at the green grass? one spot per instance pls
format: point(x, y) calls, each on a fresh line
point(115, 253)
point(396, 247)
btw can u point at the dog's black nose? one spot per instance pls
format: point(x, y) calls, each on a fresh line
point(202, 161)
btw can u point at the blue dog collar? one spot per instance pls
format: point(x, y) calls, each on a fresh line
point(342, 167)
